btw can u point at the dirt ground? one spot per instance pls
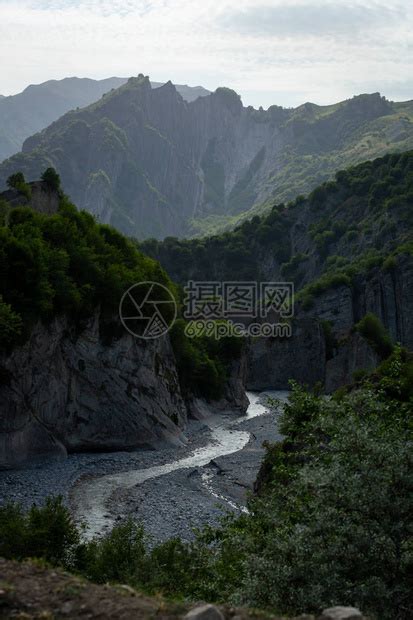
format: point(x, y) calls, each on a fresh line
point(29, 591)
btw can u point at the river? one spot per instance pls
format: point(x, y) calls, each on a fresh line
point(93, 498)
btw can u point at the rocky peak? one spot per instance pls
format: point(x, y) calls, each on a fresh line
point(229, 98)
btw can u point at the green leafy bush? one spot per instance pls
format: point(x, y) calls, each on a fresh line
point(46, 532)
point(203, 362)
point(51, 178)
point(372, 329)
point(11, 325)
point(17, 181)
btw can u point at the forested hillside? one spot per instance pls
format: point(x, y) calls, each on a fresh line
point(362, 219)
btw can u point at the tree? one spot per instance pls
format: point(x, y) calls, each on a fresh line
point(51, 178)
point(16, 180)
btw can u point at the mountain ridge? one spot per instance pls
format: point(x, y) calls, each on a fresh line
point(153, 165)
point(38, 105)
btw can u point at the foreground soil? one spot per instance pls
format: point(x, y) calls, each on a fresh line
point(29, 591)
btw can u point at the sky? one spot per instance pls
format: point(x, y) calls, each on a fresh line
point(283, 52)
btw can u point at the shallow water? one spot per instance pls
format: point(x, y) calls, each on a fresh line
point(91, 497)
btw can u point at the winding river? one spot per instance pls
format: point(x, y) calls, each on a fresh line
point(91, 497)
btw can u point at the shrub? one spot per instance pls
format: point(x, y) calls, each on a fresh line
point(47, 532)
point(15, 180)
point(11, 325)
point(200, 368)
point(18, 182)
point(51, 178)
point(119, 556)
point(390, 263)
point(372, 329)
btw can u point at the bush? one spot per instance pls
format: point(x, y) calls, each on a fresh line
point(15, 180)
point(11, 325)
point(18, 182)
point(51, 178)
point(65, 263)
point(371, 328)
point(120, 556)
point(47, 532)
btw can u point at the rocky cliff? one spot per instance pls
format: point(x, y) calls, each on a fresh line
point(154, 165)
point(67, 391)
point(324, 348)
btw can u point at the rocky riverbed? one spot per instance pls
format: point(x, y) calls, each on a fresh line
point(172, 490)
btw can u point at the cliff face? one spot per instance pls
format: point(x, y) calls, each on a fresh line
point(43, 199)
point(312, 356)
point(154, 165)
point(71, 392)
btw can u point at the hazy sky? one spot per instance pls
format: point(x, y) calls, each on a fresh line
point(270, 51)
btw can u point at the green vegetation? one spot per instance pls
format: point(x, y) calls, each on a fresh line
point(203, 363)
point(51, 178)
point(11, 325)
point(354, 225)
point(18, 182)
point(68, 264)
point(331, 522)
point(43, 532)
point(65, 264)
point(231, 255)
point(372, 329)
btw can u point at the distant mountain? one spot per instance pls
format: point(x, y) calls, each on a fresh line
point(154, 165)
point(39, 105)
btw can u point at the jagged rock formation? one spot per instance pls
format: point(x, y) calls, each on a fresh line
point(152, 164)
point(38, 105)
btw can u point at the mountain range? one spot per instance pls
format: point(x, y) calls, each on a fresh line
point(154, 165)
point(38, 105)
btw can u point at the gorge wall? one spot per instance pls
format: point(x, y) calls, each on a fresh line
point(312, 356)
point(67, 391)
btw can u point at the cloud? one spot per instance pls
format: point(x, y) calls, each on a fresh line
point(275, 52)
point(316, 19)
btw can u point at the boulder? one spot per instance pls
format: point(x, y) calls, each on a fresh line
point(205, 612)
point(341, 613)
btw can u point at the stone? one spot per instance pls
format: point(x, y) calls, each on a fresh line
point(341, 613)
point(205, 612)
